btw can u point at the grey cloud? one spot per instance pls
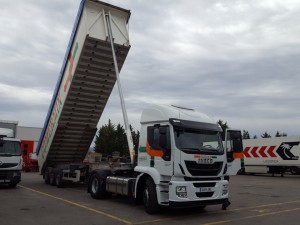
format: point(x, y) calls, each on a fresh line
point(234, 60)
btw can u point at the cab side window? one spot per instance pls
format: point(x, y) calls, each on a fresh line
point(159, 140)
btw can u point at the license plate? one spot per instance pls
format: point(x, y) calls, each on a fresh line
point(206, 189)
point(4, 181)
point(205, 161)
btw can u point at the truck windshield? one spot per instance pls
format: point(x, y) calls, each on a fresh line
point(10, 148)
point(198, 141)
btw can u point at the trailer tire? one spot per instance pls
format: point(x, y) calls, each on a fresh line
point(150, 197)
point(97, 186)
point(52, 177)
point(294, 170)
point(47, 176)
point(59, 180)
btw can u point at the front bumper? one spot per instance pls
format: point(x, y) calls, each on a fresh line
point(186, 204)
point(10, 176)
point(198, 193)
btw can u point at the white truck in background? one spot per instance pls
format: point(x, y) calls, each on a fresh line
point(180, 160)
point(272, 155)
point(10, 158)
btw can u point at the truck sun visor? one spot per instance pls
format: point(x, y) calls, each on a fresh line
point(194, 125)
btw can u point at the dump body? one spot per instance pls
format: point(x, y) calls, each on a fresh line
point(261, 155)
point(84, 85)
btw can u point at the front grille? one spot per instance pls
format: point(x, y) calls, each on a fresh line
point(203, 169)
point(4, 175)
point(8, 165)
point(211, 184)
point(202, 179)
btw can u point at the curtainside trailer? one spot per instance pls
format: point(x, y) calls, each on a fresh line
point(272, 155)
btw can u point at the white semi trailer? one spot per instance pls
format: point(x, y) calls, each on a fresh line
point(10, 157)
point(272, 155)
point(180, 161)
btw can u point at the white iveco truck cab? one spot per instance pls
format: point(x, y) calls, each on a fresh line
point(10, 158)
point(181, 162)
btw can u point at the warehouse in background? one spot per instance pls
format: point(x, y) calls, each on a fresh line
point(29, 137)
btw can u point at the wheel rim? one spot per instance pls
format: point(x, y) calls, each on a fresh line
point(146, 196)
point(95, 185)
point(51, 178)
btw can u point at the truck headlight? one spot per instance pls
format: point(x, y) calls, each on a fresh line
point(225, 189)
point(17, 173)
point(181, 191)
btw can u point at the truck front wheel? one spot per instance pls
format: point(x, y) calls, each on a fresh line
point(97, 186)
point(150, 197)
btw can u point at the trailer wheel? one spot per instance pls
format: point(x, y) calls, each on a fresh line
point(150, 197)
point(47, 176)
point(59, 180)
point(52, 177)
point(97, 186)
point(294, 170)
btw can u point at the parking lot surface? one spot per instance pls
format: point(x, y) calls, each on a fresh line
point(260, 199)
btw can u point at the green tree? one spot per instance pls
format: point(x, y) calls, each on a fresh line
point(224, 126)
point(135, 138)
point(105, 142)
point(112, 138)
point(121, 140)
point(246, 134)
point(255, 137)
point(266, 135)
point(280, 134)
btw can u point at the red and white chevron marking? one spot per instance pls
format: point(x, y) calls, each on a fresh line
point(260, 152)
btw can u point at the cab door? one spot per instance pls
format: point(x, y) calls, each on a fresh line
point(234, 151)
point(159, 148)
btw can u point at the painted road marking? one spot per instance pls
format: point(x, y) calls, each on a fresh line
point(251, 217)
point(170, 218)
point(224, 211)
point(79, 205)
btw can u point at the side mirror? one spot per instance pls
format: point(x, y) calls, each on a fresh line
point(2, 142)
point(237, 145)
point(234, 141)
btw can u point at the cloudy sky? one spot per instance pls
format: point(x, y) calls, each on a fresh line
point(234, 60)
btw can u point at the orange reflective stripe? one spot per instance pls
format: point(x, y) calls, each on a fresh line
point(238, 155)
point(153, 152)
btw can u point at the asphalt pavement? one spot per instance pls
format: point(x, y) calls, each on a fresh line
point(260, 199)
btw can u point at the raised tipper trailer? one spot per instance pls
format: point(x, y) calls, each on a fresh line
point(85, 83)
point(180, 161)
